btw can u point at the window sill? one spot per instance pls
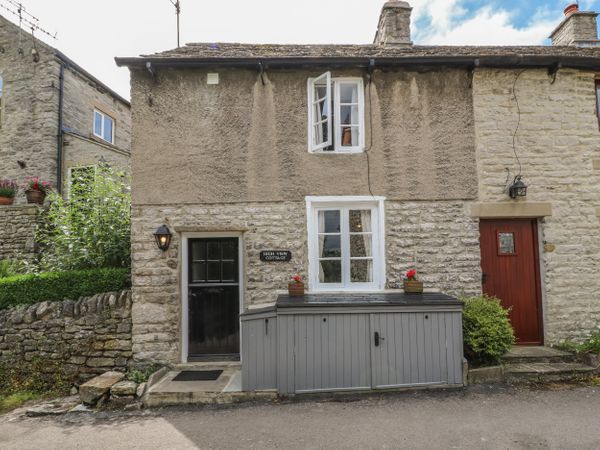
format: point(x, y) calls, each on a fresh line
point(321, 152)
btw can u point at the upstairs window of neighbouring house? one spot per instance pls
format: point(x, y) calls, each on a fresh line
point(104, 126)
point(336, 114)
point(345, 244)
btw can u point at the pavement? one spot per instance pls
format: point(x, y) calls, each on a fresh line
point(482, 417)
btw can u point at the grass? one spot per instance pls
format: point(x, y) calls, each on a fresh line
point(17, 399)
point(592, 345)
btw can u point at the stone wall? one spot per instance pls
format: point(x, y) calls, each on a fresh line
point(17, 231)
point(437, 235)
point(580, 26)
point(557, 142)
point(88, 336)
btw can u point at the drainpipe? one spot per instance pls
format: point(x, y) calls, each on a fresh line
point(60, 135)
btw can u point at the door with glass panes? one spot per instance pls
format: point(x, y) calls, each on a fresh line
point(213, 298)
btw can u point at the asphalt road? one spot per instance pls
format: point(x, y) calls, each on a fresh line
point(479, 417)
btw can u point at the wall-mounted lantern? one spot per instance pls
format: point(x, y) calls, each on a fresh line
point(518, 188)
point(163, 237)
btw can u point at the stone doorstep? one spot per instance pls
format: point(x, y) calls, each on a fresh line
point(526, 354)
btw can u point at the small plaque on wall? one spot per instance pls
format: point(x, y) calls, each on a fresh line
point(275, 255)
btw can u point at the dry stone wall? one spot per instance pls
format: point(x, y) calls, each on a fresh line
point(17, 231)
point(87, 337)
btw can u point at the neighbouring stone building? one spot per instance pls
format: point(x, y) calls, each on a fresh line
point(55, 117)
point(363, 161)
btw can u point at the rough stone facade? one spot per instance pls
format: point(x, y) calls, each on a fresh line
point(29, 113)
point(85, 337)
point(577, 28)
point(437, 236)
point(17, 231)
point(557, 142)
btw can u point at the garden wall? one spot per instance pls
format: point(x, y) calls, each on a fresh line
point(17, 231)
point(85, 337)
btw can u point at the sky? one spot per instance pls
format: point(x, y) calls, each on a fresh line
point(93, 33)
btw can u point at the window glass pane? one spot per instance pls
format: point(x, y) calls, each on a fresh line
point(198, 272)
point(361, 270)
point(97, 123)
point(320, 92)
point(348, 93)
point(1, 85)
point(198, 251)
point(330, 271)
point(329, 247)
point(350, 136)
point(214, 250)
point(214, 271)
point(360, 245)
point(349, 115)
point(229, 250)
point(506, 243)
point(229, 271)
point(360, 221)
point(108, 129)
point(321, 133)
point(329, 221)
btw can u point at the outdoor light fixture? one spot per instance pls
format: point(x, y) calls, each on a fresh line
point(163, 237)
point(518, 188)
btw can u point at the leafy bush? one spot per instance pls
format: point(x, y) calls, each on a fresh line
point(92, 228)
point(9, 268)
point(487, 331)
point(54, 286)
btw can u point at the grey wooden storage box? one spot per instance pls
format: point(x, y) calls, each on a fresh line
point(324, 343)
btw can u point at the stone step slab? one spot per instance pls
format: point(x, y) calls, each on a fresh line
point(94, 389)
point(124, 388)
point(548, 371)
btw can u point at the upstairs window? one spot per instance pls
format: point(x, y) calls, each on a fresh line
point(104, 127)
point(336, 114)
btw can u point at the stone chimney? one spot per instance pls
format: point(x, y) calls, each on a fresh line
point(394, 25)
point(578, 28)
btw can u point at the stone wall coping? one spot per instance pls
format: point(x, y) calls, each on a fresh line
point(210, 229)
point(509, 210)
point(596, 164)
point(20, 207)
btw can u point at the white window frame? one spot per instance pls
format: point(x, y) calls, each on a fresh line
point(335, 131)
point(376, 205)
point(104, 118)
point(70, 175)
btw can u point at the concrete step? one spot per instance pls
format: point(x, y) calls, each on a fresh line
point(208, 365)
point(542, 355)
point(555, 371)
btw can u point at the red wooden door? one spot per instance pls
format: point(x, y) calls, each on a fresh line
point(510, 265)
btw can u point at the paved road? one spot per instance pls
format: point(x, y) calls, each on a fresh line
point(480, 417)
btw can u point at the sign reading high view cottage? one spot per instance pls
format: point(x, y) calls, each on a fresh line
point(343, 166)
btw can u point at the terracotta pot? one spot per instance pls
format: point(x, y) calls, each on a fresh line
point(35, 197)
point(6, 201)
point(347, 137)
point(571, 9)
point(296, 289)
point(413, 287)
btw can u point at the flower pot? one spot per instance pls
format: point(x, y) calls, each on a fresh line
point(413, 287)
point(572, 8)
point(6, 201)
point(296, 289)
point(35, 197)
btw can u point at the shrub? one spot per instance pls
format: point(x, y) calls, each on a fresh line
point(9, 268)
point(487, 331)
point(55, 286)
point(92, 228)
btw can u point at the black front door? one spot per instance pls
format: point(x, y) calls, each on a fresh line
point(213, 300)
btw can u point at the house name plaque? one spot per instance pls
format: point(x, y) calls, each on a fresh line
point(275, 255)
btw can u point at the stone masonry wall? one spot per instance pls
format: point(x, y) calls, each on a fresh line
point(557, 141)
point(17, 231)
point(88, 336)
point(442, 239)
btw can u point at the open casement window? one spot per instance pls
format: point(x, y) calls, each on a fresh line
point(336, 114)
point(346, 247)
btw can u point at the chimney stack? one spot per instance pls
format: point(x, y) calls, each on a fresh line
point(578, 28)
point(394, 25)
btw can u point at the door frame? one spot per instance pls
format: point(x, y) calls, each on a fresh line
point(184, 264)
point(537, 263)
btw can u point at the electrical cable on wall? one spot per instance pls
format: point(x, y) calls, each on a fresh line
point(514, 145)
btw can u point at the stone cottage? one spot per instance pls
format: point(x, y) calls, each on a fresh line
point(57, 121)
point(478, 166)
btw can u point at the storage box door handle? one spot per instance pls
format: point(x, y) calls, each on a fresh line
point(378, 339)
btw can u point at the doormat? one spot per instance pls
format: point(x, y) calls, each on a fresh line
point(198, 375)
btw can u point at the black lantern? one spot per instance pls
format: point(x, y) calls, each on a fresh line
point(163, 237)
point(518, 188)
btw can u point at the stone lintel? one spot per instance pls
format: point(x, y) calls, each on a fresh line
point(596, 164)
point(502, 210)
point(211, 229)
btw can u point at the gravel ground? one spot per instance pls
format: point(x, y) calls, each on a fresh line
point(477, 417)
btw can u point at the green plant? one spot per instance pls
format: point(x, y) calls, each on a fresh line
point(8, 188)
point(9, 268)
point(55, 286)
point(92, 228)
point(592, 345)
point(37, 184)
point(487, 331)
point(141, 375)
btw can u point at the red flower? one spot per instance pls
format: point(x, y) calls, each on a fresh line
point(411, 274)
point(297, 278)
